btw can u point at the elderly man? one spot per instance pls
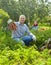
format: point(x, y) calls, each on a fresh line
point(20, 31)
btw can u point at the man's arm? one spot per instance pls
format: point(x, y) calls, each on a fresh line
point(29, 33)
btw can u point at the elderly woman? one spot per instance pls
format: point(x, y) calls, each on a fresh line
point(19, 29)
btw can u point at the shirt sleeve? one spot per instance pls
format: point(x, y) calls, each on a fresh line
point(16, 23)
point(29, 33)
point(27, 30)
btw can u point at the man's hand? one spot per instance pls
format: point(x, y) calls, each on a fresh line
point(33, 37)
point(12, 26)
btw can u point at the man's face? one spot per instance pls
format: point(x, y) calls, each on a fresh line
point(22, 20)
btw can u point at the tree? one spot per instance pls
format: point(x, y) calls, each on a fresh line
point(10, 6)
point(29, 8)
point(3, 18)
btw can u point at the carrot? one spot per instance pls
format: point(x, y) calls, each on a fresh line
point(12, 26)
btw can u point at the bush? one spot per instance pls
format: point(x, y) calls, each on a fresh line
point(13, 53)
point(25, 56)
point(41, 35)
point(3, 18)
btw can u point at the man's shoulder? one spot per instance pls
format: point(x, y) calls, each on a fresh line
point(16, 23)
point(25, 25)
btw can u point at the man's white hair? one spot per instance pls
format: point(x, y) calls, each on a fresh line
point(22, 16)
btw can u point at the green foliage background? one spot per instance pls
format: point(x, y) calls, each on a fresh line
point(32, 9)
point(12, 52)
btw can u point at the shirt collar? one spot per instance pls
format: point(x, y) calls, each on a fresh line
point(21, 24)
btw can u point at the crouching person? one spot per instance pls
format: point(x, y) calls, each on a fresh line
point(19, 29)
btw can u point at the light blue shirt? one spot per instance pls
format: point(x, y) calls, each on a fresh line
point(21, 30)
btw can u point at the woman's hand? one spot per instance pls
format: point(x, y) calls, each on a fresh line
point(12, 26)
